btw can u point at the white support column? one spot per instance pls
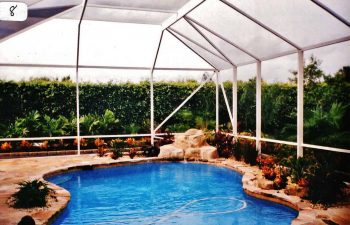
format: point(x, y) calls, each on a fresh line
point(258, 106)
point(78, 111)
point(217, 101)
point(234, 102)
point(300, 105)
point(152, 110)
point(151, 91)
point(77, 77)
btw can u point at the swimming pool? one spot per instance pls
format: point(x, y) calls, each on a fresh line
point(164, 193)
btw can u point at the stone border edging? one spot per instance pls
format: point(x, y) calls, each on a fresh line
point(307, 214)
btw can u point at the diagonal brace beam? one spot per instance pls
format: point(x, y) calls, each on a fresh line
point(226, 101)
point(184, 102)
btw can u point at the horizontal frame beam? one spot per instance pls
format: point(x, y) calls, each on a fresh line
point(102, 67)
point(81, 136)
point(332, 149)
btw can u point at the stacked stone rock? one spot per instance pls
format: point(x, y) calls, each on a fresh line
point(191, 145)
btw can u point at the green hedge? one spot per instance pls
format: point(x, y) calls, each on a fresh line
point(130, 104)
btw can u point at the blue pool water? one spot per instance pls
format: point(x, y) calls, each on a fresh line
point(164, 193)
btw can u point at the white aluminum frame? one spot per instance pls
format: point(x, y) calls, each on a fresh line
point(300, 104)
point(234, 102)
point(166, 26)
point(258, 106)
point(77, 77)
point(217, 119)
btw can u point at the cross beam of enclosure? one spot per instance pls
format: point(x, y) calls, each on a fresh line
point(184, 102)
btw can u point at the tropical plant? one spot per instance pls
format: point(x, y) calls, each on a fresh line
point(88, 124)
point(299, 168)
point(27, 126)
point(116, 153)
point(249, 151)
point(326, 186)
point(31, 194)
point(53, 127)
point(132, 128)
point(323, 127)
point(107, 123)
point(224, 144)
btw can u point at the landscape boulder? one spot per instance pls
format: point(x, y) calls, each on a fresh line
point(191, 145)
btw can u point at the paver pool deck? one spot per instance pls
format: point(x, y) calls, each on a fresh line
point(13, 171)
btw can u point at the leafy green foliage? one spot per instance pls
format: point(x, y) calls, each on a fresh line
point(326, 186)
point(299, 167)
point(116, 153)
point(249, 151)
point(326, 101)
point(223, 143)
point(32, 194)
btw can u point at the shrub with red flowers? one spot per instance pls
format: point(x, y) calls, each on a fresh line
point(25, 145)
point(6, 146)
point(101, 147)
point(130, 141)
point(267, 164)
point(272, 171)
point(83, 142)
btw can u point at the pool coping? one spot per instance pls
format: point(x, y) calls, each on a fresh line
point(307, 214)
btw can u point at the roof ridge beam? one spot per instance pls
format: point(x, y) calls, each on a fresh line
point(260, 24)
point(210, 42)
point(199, 45)
point(223, 38)
point(330, 11)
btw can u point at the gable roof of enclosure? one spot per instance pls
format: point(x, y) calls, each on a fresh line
point(224, 33)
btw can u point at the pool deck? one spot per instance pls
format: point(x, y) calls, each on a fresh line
point(13, 171)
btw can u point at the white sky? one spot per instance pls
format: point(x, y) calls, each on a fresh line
point(117, 44)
